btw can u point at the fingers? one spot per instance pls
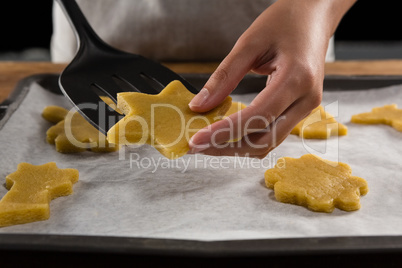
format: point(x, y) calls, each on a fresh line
point(270, 103)
point(259, 144)
point(223, 81)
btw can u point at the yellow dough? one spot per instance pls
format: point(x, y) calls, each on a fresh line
point(315, 183)
point(164, 121)
point(388, 114)
point(72, 133)
point(235, 107)
point(319, 125)
point(31, 188)
point(110, 103)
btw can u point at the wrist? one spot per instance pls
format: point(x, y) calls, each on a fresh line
point(336, 10)
point(326, 13)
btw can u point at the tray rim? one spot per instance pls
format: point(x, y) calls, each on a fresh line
point(193, 248)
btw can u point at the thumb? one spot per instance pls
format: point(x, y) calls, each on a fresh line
point(223, 81)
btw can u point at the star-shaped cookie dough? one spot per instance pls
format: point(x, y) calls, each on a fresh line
point(31, 188)
point(315, 183)
point(72, 133)
point(235, 107)
point(164, 121)
point(388, 114)
point(110, 103)
point(319, 125)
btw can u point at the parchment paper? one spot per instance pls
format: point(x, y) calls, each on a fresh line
point(129, 193)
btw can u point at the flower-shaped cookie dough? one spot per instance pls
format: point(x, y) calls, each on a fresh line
point(315, 183)
point(164, 121)
point(72, 133)
point(319, 125)
point(388, 114)
point(31, 188)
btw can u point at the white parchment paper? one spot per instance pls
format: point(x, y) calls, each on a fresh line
point(139, 193)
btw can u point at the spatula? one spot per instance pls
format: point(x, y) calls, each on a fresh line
point(98, 70)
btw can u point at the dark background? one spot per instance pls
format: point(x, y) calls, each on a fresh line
point(371, 20)
point(26, 24)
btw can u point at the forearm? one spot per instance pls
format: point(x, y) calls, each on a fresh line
point(338, 10)
point(327, 13)
point(305, 25)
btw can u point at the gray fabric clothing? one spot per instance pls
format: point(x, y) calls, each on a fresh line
point(164, 30)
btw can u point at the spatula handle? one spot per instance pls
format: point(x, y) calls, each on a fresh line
point(83, 30)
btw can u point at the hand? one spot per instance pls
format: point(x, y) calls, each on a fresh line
point(287, 42)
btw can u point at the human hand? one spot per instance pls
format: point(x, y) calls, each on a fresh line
point(287, 42)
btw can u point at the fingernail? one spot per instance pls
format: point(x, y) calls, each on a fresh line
point(200, 98)
point(196, 148)
point(199, 148)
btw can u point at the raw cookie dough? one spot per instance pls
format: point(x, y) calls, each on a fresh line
point(31, 188)
point(319, 125)
point(388, 114)
point(235, 107)
point(315, 183)
point(164, 121)
point(72, 133)
point(110, 103)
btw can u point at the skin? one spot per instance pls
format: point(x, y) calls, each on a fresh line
point(287, 42)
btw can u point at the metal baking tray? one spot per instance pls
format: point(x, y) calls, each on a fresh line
point(185, 252)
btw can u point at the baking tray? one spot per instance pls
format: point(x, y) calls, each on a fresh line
point(101, 248)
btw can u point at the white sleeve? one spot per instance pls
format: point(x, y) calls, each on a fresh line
point(330, 56)
point(63, 42)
